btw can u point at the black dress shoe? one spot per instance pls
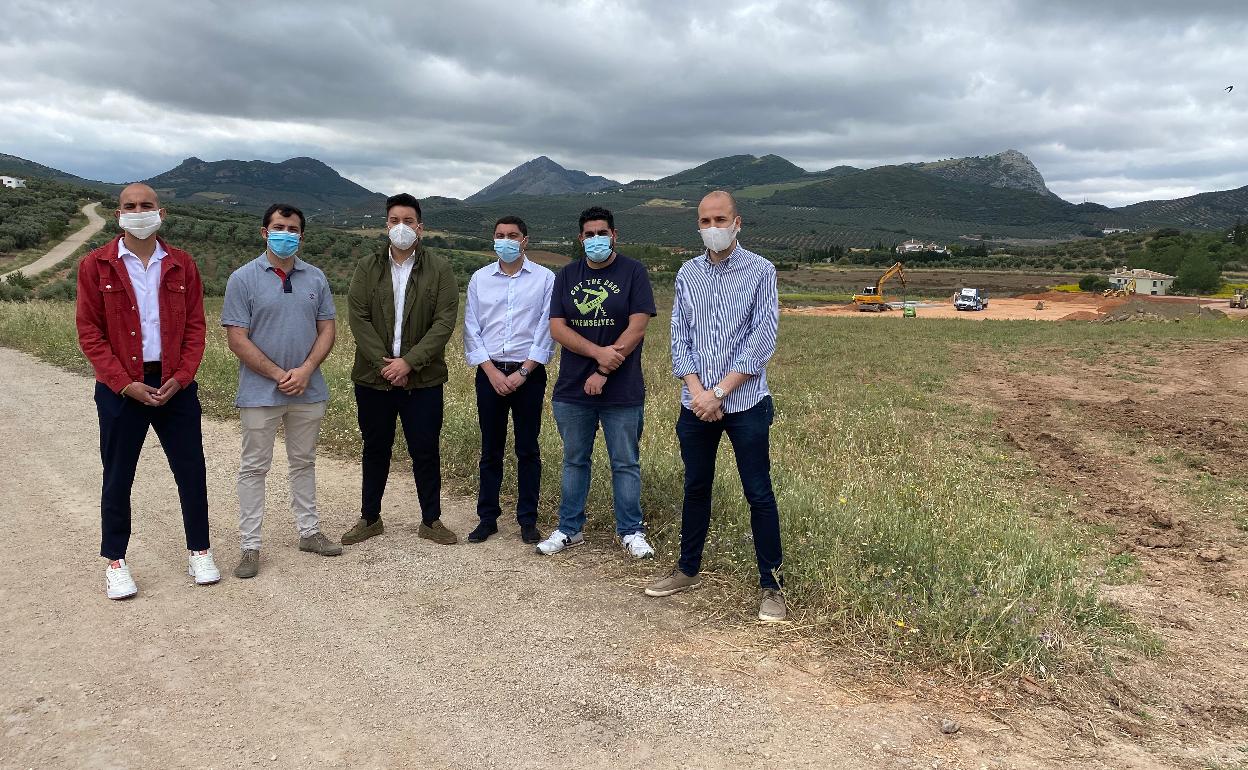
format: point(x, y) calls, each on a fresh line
point(530, 534)
point(482, 532)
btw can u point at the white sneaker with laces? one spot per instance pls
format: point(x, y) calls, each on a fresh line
point(559, 541)
point(118, 584)
point(203, 568)
point(637, 546)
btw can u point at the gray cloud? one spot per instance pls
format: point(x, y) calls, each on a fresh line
point(1114, 101)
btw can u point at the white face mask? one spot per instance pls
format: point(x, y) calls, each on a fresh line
point(718, 238)
point(402, 236)
point(140, 224)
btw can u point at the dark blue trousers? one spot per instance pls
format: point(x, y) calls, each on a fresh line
point(749, 432)
point(525, 408)
point(123, 429)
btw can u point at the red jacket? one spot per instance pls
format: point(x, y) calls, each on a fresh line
point(108, 318)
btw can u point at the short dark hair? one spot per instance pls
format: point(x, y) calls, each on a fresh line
point(595, 213)
point(404, 199)
point(513, 220)
point(286, 210)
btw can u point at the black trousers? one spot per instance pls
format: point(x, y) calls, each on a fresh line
point(525, 408)
point(123, 429)
point(420, 411)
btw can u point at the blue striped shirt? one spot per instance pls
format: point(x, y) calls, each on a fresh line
point(724, 319)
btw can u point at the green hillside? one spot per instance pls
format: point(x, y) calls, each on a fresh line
point(737, 171)
point(11, 165)
point(1220, 209)
point(253, 185)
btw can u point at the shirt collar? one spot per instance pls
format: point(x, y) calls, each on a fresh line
point(122, 251)
point(525, 266)
point(727, 262)
point(266, 265)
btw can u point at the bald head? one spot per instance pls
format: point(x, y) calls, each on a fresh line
point(717, 209)
point(137, 197)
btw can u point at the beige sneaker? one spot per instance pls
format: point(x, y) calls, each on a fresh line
point(438, 533)
point(673, 584)
point(771, 609)
point(318, 543)
point(362, 531)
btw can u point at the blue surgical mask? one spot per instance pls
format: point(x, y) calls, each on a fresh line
point(597, 248)
point(507, 249)
point(283, 244)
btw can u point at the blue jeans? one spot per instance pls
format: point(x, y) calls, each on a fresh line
point(621, 426)
point(749, 432)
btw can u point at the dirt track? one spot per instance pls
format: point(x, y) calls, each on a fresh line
point(61, 251)
point(397, 654)
point(405, 654)
point(1048, 306)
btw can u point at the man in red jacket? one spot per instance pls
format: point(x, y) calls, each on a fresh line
point(141, 324)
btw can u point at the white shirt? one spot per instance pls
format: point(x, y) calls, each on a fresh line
point(399, 275)
point(146, 283)
point(507, 317)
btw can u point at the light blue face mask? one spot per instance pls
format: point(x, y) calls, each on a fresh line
point(282, 243)
point(507, 249)
point(597, 248)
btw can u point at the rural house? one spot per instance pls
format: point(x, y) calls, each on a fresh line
point(12, 181)
point(1146, 281)
point(913, 245)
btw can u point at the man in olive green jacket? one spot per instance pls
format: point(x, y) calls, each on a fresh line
point(403, 305)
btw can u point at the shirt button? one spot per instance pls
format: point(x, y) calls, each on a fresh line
point(134, 358)
point(131, 334)
point(132, 307)
point(108, 286)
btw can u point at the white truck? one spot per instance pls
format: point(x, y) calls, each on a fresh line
point(971, 299)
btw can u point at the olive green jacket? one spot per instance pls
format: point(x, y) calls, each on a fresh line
point(430, 311)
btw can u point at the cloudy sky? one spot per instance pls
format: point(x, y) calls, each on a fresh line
point(1114, 101)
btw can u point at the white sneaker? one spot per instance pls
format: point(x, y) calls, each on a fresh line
point(117, 581)
point(559, 541)
point(203, 568)
point(637, 546)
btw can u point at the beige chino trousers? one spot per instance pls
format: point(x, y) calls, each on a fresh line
point(303, 426)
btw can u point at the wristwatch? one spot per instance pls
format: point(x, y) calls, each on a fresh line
point(523, 372)
point(719, 392)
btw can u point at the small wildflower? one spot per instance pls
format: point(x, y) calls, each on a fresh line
point(842, 500)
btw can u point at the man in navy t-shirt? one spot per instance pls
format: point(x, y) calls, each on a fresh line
point(599, 309)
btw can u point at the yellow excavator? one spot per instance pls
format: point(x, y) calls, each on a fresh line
point(1125, 290)
point(872, 297)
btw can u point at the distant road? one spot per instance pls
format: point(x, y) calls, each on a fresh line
point(62, 250)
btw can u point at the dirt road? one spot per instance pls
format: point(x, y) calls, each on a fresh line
point(61, 251)
point(397, 654)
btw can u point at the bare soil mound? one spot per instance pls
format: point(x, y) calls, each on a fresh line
point(1158, 309)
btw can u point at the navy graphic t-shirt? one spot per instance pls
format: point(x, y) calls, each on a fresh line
point(596, 304)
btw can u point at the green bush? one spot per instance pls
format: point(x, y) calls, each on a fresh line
point(1093, 283)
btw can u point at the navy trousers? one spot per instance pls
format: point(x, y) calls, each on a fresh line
point(525, 408)
point(749, 432)
point(123, 429)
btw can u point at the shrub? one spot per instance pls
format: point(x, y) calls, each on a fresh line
point(1093, 283)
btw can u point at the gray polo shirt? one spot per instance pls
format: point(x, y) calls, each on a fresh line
point(282, 325)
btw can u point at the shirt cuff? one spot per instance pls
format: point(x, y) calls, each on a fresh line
point(477, 357)
point(750, 366)
point(540, 355)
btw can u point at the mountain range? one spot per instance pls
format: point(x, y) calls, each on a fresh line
point(1001, 196)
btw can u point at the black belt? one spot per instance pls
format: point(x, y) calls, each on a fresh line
point(151, 369)
point(507, 367)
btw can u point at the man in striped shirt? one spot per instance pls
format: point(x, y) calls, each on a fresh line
point(724, 322)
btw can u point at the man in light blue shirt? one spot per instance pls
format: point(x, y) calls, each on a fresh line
point(724, 321)
point(279, 320)
point(507, 337)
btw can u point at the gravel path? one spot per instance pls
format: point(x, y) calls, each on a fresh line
point(399, 653)
point(61, 251)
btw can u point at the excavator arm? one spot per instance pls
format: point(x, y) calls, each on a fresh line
point(873, 297)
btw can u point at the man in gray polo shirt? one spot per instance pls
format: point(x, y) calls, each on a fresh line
point(279, 318)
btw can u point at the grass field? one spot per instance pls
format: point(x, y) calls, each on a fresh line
point(910, 528)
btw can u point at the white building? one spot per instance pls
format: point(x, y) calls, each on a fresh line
point(913, 245)
point(1146, 281)
point(11, 181)
point(1114, 230)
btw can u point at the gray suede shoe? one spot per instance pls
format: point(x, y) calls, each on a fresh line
point(771, 608)
point(318, 543)
point(249, 565)
point(363, 531)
